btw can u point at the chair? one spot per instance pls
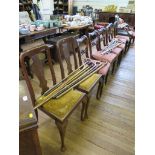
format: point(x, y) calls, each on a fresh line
point(68, 48)
point(60, 108)
point(111, 34)
point(124, 33)
point(94, 46)
point(82, 49)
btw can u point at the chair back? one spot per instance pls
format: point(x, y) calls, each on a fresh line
point(37, 58)
point(94, 41)
point(115, 28)
point(103, 35)
point(110, 31)
point(66, 49)
point(83, 48)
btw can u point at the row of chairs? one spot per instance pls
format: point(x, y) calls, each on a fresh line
point(71, 53)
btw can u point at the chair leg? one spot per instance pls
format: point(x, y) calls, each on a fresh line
point(106, 78)
point(36, 112)
point(62, 129)
point(100, 87)
point(86, 107)
point(129, 43)
point(83, 110)
point(119, 58)
point(113, 67)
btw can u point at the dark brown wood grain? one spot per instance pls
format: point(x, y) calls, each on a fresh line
point(28, 134)
point(127, 17)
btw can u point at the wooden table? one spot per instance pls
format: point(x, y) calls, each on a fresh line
point(78, 28)
point(38, 34)
point(28, 134)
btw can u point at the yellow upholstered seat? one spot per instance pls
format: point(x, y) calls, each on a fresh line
point(90, 82)
point(62, 106)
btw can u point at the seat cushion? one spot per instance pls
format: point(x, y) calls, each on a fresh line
point(98, 27)
point(117, 50)
point(61, 106)
point(123, 37)
point(104, 70)
point(122, 46)
point(88, 84)
point(110, 57)
point(123, 40)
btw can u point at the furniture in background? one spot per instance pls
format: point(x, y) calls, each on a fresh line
point(28, 134)
point(82, 29)
point(110, 17)
point(32, 37)
point(26, 5)
point(37, 35)
point(63, 7)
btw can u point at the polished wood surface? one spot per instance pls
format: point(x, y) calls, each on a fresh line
point(77, 27)
point(25, 108)
point(28, 134)
point(82, 30)
point(127, 17)
point(38, 34)
point(110, 128)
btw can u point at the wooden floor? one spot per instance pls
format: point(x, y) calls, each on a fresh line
point(110, 128)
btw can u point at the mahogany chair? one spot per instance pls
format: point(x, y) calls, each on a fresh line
point(126, 33)
point(111, 34)
point(94, 47)
point(83, 52)
point(60, 108)
point(68, 48)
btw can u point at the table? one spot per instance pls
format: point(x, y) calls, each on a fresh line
point(38, 34)
point(28, 134)
point(78, 28)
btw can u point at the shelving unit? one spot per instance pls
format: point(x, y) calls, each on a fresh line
point(26, 5)
point(63, 7)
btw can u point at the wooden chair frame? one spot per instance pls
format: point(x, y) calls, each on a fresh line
point(75, 49)
point(60, 123)
point(94, 40)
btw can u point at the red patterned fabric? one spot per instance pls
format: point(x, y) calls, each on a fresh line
point(105, 69)
point(123, 37)
point(122, 46)
point(98, 27)
point(117, 50)
point(110, 57)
